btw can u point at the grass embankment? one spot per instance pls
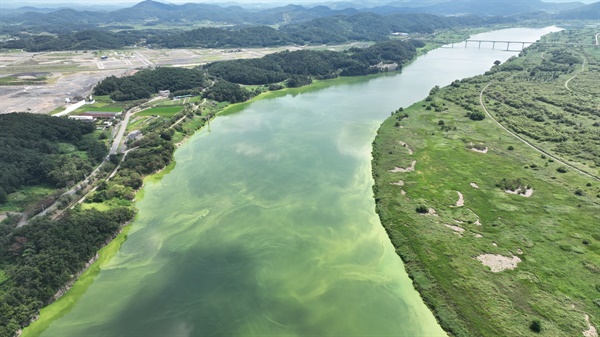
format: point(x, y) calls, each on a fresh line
point(553, 232)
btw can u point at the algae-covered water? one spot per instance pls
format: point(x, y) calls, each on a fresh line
point(267, 224)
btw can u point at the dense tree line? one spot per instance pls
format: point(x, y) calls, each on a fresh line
point(146, 82)
point(32, 150)
point(295, 67)
point(226, 91)
point(328, 30)
point(278, 67)
point(84, 40)
point(43, 256)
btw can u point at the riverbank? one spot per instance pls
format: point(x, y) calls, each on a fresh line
point(495, 262)
point(66, 302)
point(280, 190)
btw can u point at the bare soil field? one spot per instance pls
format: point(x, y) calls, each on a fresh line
point(74, 73)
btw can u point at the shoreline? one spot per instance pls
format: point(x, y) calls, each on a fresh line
point(77, 287)
point(63, 304)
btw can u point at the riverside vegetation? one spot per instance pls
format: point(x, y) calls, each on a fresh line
point(38, 259)
point(479, 194)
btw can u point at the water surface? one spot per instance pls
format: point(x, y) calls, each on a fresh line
point(267, 225)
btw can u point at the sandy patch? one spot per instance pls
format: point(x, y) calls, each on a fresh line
point(398, 183)
point(403, 170)
point(474, 185)
point(432, 212)
point(480, 151)
point(477, 235)
point(498, 263)
point(527, 194)
point(461, 200)
point(591, 332)
point(410, 151)
point(456, 228)
point(477, 223)
point(403, 192)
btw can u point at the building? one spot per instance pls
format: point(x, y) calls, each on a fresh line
point(82, 118)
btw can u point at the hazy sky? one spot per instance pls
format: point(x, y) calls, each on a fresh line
point(40, 3)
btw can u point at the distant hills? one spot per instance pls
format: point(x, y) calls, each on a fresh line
point(591, 12)
point(150, 13)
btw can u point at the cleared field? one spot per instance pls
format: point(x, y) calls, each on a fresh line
point(165, 111)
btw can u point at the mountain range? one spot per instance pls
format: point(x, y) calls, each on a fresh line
point(150, 12)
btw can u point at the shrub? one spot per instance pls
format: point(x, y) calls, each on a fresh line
point(422, 209)
point(561, 169)
point(535, 326)
point(510, 148)
point(476, 115)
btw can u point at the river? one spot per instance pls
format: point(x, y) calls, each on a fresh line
point(267, 224)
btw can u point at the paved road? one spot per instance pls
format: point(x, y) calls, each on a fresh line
point(70, 109)
point(122, 127)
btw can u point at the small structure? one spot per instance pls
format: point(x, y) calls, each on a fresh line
point(104, 57)
point(82, 118)
point(164, 93)
point(134, 135)
point(100, 114)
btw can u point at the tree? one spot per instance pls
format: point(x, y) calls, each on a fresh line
point(2, 195)
point(535, 326)
point(497, 62)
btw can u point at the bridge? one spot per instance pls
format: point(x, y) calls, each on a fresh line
point(507, 43)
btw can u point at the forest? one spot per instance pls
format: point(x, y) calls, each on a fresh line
point(40, 149)
point(326, 30)
point(38, 259)
point(146, 82)
point(295, 67)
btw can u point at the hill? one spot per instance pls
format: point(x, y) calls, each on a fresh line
point(587, 12)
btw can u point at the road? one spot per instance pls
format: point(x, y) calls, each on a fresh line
point(122, 127)
point(582, 70)
point(70, 109)
point(113, 150)
point(526, 142)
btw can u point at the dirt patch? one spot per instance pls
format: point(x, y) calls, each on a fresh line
point(457, 229)
point(498, 263)
point(474, 185)
point(477, 235)
point(403, 192)
point(591, 332)
point(461, 200)
point(398, 183)
point(432, 212)
point(478, 150)
point(519, 191)
point(410, 151)
point(403, 170)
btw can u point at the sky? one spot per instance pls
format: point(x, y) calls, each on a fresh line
point(40, 3)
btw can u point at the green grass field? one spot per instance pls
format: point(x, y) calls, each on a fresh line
point(19, 200)
point(554, 232)
point(165, 111)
